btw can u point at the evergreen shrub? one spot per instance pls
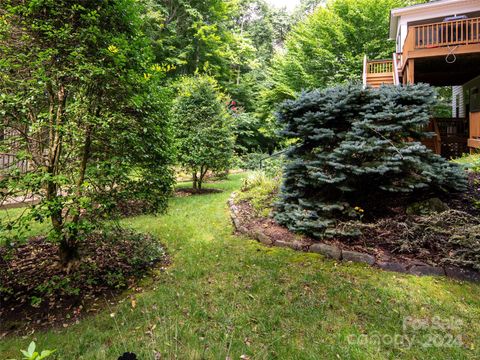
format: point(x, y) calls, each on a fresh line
point(356, 152)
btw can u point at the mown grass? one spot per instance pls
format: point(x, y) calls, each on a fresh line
point(225, 296)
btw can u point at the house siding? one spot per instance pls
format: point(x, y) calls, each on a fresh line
point(458, 102)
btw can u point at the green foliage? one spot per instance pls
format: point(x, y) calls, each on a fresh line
point(351, 150)
point(204, 136)
point(83, 98)
point(193, 35)
point(31, 354)
point(328, 46)
point(252, 134)
point(469, 162)
point(261, 191)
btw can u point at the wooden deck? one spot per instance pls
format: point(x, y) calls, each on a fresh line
point(442, 39)
point(448, 38)
point(426, 47)
point(450, 137)
point(379, 72)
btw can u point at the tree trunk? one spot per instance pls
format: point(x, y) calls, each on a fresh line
point(70, 243)
point(203, 172)
point(67, 251)
point(195, 181)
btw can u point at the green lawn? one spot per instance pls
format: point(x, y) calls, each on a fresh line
point(226, 296)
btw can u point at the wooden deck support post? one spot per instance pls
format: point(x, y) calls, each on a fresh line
point(410, 78)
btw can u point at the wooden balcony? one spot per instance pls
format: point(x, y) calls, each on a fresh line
point(379, 72)
point(448, 38)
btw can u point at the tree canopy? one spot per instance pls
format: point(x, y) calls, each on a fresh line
point(82, 99)
point(204, 137)
point(327, 46)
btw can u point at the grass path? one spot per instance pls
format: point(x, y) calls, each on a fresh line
point(225, 296)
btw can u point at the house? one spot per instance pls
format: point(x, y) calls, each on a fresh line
point(438, 43)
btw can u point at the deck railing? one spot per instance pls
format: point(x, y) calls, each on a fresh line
point(447, 33)
point(9, 162)
point(379, 66)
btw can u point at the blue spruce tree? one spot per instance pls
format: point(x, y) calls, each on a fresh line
point(357, 151)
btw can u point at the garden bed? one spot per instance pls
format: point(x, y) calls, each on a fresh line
point(443, 243)
point(183, 192)
point(37, 292)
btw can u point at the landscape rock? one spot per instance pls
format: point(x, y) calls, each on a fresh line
point(296, 245)
point(243, 230)
point(426, 270)
point(236, 223)
point(264, 239)
point(327, 250)
point(427, 207)
point(462, 274)
point(281, 243)
point(393, 266)
point(358, 257)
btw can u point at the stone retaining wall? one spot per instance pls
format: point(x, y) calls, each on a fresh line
point(337, 253)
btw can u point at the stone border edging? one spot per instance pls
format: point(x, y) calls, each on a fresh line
point(337, 253)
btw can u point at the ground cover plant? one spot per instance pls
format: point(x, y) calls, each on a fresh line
point(216, 300)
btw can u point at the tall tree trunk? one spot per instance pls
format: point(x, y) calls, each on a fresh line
point(71, 240)
point(58, 100)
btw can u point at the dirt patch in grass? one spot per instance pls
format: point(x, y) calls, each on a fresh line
point(36, 292)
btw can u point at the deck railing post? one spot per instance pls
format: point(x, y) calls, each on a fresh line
point(365, 64)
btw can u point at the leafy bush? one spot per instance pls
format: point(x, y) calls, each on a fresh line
point(351, 156)
point(85, 107)
point(261, 191)
point(204, 137)
point(469, 162)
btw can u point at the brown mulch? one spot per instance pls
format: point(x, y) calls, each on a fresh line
point(184, 192)
point(36, 292)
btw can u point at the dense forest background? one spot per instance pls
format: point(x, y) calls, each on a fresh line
point(261, 55)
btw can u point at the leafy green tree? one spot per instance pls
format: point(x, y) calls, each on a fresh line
point(351, 157)
point(327, 47)
point(204, 137)
point(82, 101)
point(193, 35)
